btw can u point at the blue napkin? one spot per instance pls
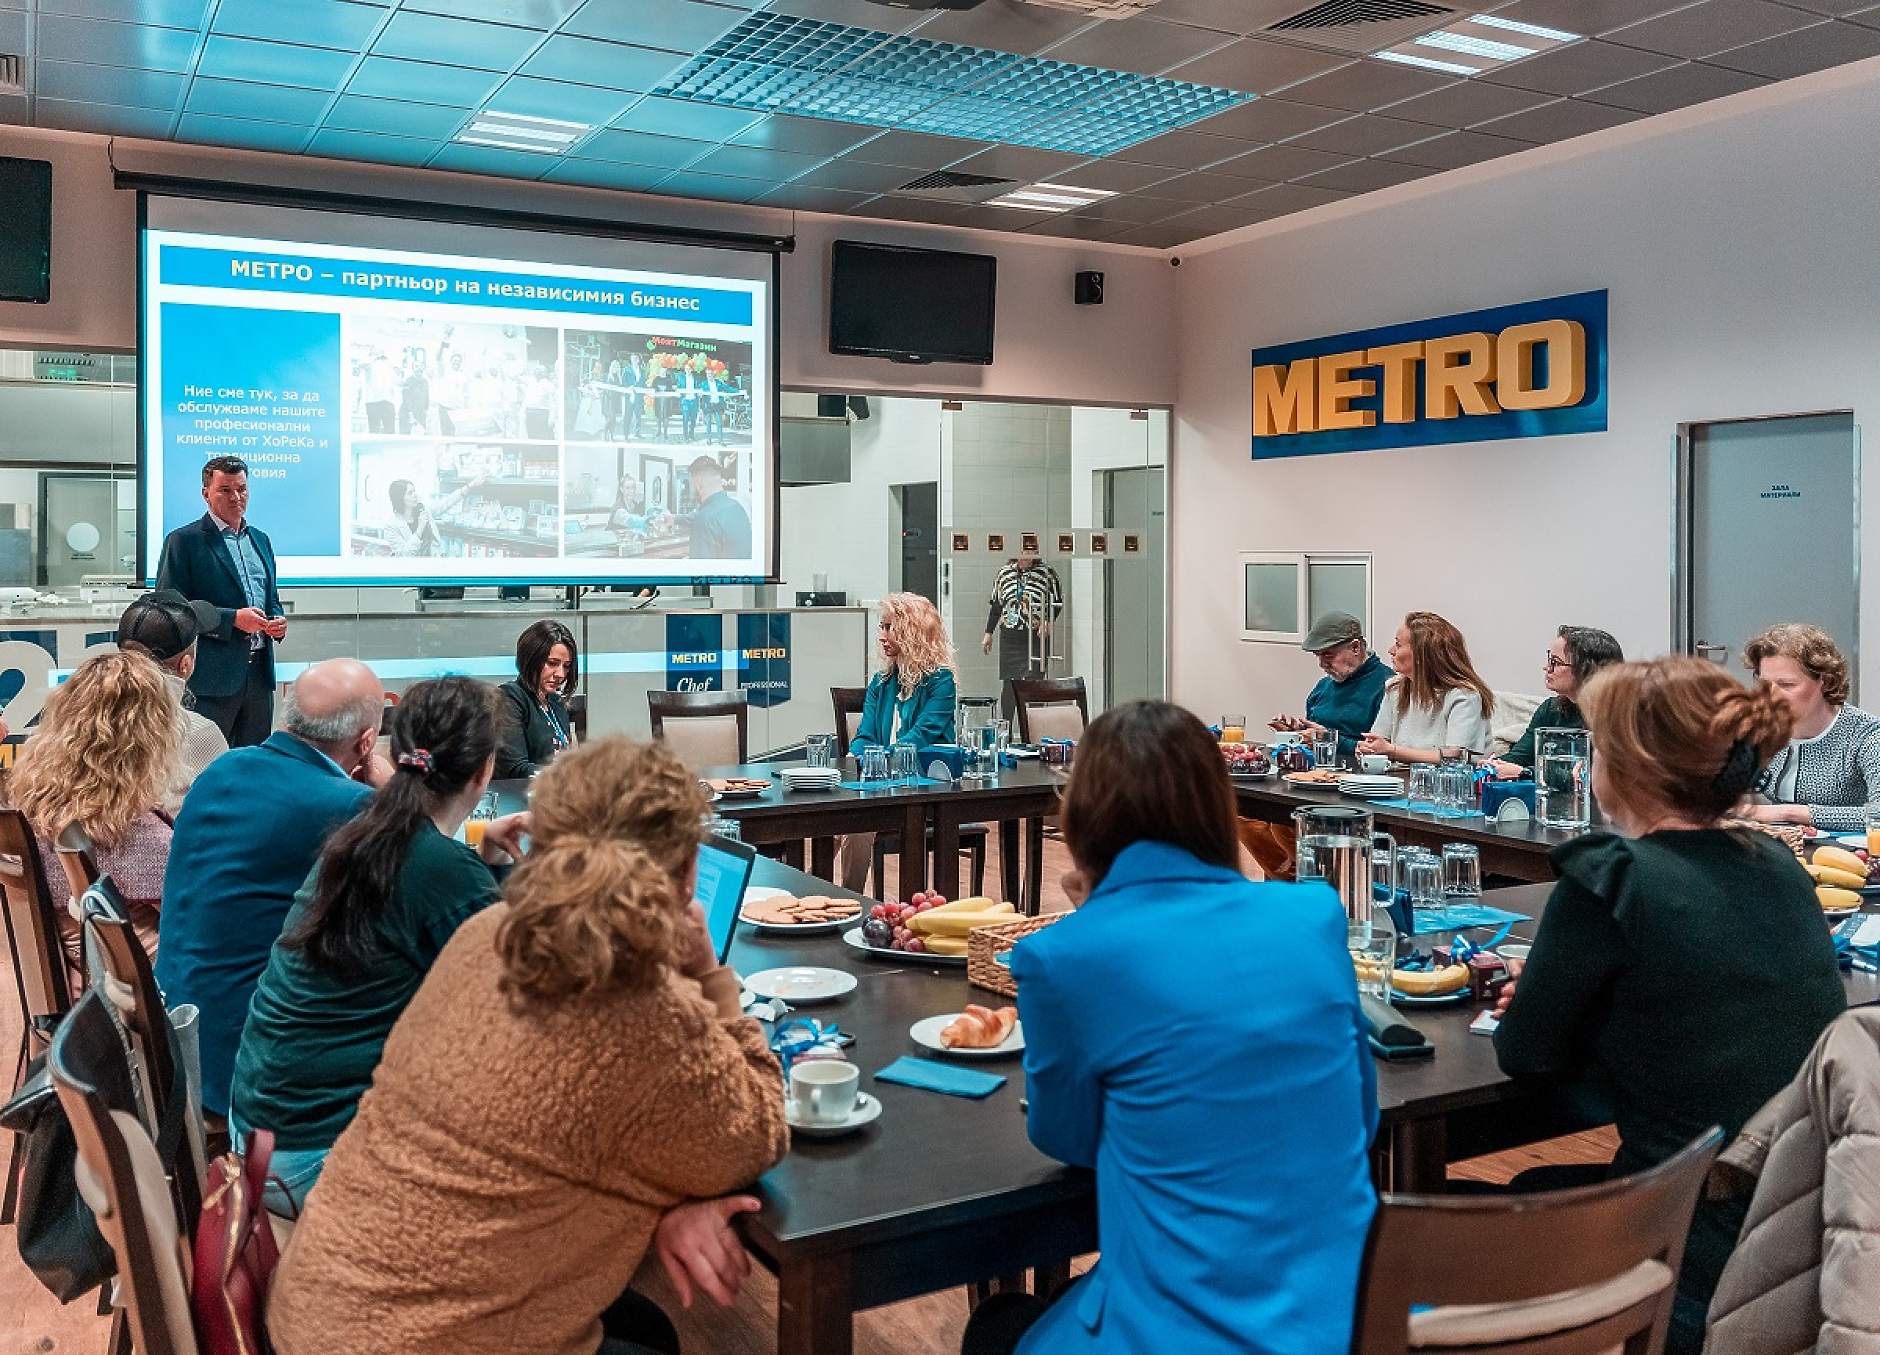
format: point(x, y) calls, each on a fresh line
point(941, 1077)
point(1845, 950)
point(1457, 917)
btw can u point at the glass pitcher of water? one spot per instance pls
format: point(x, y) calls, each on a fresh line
point(1334, 845)
point(973, 714)
point(1563, 796)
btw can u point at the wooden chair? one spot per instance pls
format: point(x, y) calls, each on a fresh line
point(704, 729)
point(848, 702)
point(1587, 1271)
point(40, 975)
point(74, 850)
point(121, 1176)
point(385, 715)
point(1044, 708)
point(577, 716)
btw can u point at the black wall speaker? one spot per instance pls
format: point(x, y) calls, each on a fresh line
point(1087, 289)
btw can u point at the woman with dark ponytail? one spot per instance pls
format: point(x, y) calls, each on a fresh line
point(1681, 973)
point(388, 891)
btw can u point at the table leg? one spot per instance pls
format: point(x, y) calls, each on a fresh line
point(815, 1311)
point(946, 854)
point(1034, 866)
point(822, 858)
point(1008, 860)
point(1419, 1157)
point(914, 852)
point(791, 853)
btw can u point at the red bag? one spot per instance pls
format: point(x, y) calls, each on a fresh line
point(235, 1253)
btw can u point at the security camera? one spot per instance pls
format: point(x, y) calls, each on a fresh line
point(1175, 261)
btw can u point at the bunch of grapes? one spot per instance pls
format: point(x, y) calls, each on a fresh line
point(887, 929)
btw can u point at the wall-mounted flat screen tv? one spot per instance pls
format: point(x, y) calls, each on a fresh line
point(25, 230)
point(911, 305)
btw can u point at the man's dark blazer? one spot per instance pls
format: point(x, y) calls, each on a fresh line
point(196, 563)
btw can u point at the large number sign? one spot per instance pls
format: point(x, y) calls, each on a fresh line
point(1532, 370)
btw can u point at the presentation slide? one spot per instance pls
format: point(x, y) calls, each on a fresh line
point(425, 403)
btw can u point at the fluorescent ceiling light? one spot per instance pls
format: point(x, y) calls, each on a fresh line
point(1532, 30)
point(1429, 63)
point(1468, 46)
point(522, 132)
point(466, 139)
point(1049, 197)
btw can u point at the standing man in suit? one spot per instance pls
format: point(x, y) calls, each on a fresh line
point(221, 560)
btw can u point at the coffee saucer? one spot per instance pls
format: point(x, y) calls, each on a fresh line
point(867, 1111)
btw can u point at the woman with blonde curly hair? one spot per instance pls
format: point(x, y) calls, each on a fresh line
point(95, 770)
point(573, 1083)
point(910, 699)
point(1829, 775)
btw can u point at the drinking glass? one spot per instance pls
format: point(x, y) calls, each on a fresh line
point(1423, 878)
point(819, 749)
point(985, 748)
point(1334, 843)
point(1562, 792)
point(1005, 734)
point(1462, 870)
point(718, 825)
point(479, 820)
point(874, 766)
point(1374, 941)
point(1233, 729)
point(1873, 832)
point(904, 764)
point(1383, 868)
point(1422, 791)
point(1325, 749)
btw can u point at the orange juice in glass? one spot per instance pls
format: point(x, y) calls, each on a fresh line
point(1233, 729)
point(1873, 834)
point(473, 831)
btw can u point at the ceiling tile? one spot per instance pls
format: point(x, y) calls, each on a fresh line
point(75, 83)
point(1837, 7)
point(910, 209)
point(1163, 236)
point(643, 148)
point(755, 162)
point(1365, 85)
point(1257, 67)
point(1276, 164)
point(1458, 149)
point(163, 13)
point(1077, 228)
point(677, 25)
point(558, 99)
point(1579, 68)
point(863, 14)
point(1870, 16)
point(1133, 210)
point(610, 65)
point(392, 117)
point(1205, 221)
point(678, 117)
point(382, 77)
point(597, 174)
point(1714, 26)
point(1558, 121)
point(998, 25)
point(1811, 49)
point(858, 176)
point(807, 136)
point(713, 187)
point(493, 160)
point(108, 44)
point(325, 23)
point(456, 42)
point(1011, 162)
point(1268, 120)
point(242, 132)
point(1588, 18)
point(274, 63)
point(1113, 176)
point(1181, 150)
point(1370, 134)
point(542, 14)
point(107, 119)
point(808, 198)
point(997, 218)
point(1139, 45)
point(378, 150)
point(918, 150)
point(1468, 102)
point(1367, 176)
point(1227, 16)
point(1680, 87)
point(1288, 197)
point(1201, 188)
point(233, 99)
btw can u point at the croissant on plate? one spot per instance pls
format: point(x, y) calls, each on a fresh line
point(979, 1028)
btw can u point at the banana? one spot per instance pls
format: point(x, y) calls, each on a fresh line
point(1838, 858)
point(1834, 875)
point(945, 945)
point(933, 922)
point(1836, 900)
point(978, 903)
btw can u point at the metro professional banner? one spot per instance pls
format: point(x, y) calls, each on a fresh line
point(1536, 369)
point(764, 657)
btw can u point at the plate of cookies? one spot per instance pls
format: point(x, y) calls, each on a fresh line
point(737, 787)
point(772, 910)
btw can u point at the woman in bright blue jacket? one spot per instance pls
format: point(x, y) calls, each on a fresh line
point(1195, 1039)
point(910, 700)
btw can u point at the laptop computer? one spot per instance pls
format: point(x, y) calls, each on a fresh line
point(724, 869)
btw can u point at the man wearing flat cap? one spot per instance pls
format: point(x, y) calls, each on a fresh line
point(1347, 697)
point(165, 625)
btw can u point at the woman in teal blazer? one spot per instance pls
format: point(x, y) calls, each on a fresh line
point(910, 700)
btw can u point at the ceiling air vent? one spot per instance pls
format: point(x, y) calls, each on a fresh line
point(12, 74)
point(950, 185)
point(1362, 26)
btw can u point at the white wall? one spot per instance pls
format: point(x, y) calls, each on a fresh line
point(1737, 241)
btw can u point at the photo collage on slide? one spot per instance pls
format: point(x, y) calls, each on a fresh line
point(492, 441)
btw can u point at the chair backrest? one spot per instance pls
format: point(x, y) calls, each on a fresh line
point(1585, 1271)
point(577, 716)
point(74, 850)
point(848, 702)
point(386, 714)
point(703, 729)
point(1050, 708)
point(131, 987)
point(121, 1177)
point(32, 923)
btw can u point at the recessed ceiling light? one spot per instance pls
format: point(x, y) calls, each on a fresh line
point(1470, 46)
point(1050, 197)
point(522, 132)
point(1429, 63)
point(1478, 43)
point(1516, 26)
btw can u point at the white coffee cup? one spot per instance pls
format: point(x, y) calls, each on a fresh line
point(822, 1091)
point(1374, 764)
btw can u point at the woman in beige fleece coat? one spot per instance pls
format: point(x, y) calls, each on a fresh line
point(574, 1067)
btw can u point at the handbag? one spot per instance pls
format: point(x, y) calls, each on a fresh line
point(57, 1232)
point(235, 1253)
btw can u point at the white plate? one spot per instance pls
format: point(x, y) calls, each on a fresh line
point(795, 928)
point(1848, 840)
point(753, 893)
point(867, 1111)
point(1403, 999)
point(927, 1034)
point(853, 937)
point(1372, 792)
point(801, 983)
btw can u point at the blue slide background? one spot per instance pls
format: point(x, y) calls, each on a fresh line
point(227, 348)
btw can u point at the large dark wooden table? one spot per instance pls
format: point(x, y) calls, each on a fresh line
point(1518, 851)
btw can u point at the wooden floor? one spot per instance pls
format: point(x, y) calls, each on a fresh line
point(32, 1321)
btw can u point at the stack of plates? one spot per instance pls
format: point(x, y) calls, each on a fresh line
point(811, 778)
point(1371, 787)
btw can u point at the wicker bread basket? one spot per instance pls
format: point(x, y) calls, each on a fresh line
point(984, 946)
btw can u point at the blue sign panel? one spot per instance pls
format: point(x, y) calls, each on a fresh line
point(694, 652)
point(1537, 369)
point(764, 656)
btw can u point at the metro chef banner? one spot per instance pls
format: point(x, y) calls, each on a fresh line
point(1536, 369)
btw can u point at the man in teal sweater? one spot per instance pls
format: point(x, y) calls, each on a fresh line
point(1347, 697)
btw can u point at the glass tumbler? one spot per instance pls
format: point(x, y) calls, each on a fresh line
point(1462, 870)
point(903, 764)
point(874, 767)
point(1423, 879)
point(1422, 791)
point(1325, 749)
point(819, 749)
